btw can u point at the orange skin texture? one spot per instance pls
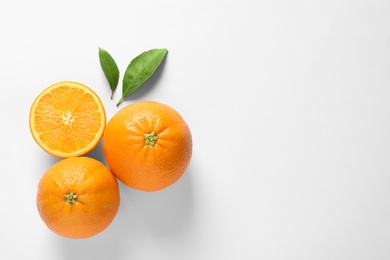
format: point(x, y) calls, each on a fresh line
point(143, 166)
point(97, 199)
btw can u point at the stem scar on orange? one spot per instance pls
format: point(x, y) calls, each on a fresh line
point(67, 119)
point(78, 197)
point(147, 145)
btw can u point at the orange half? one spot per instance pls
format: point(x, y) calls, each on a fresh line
point(67, 119)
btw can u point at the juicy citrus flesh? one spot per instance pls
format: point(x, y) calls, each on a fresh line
point(96, 201)
point(67, 119)
point(143, 164)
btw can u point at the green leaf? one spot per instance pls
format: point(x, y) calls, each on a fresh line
point(140, 69)
point(110, 69)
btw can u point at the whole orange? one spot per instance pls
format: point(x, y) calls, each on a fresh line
point(147, 145)
point(78, 197)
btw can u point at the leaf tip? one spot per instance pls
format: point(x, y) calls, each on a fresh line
point(165, 51)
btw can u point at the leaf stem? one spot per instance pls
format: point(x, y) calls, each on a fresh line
point(120, 101)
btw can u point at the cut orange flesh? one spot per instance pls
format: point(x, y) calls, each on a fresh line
point(67, 119)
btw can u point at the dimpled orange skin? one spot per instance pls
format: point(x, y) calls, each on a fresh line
point(142, 165)
point(93, 209)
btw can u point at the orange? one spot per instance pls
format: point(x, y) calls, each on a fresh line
point(147, 145)
point(78, 197)
point(67, 119)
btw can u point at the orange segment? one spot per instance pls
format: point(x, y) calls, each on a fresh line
point(67, 119)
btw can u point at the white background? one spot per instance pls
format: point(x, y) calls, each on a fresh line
point(287, 101)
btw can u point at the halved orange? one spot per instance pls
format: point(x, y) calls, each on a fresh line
point(67, 119)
